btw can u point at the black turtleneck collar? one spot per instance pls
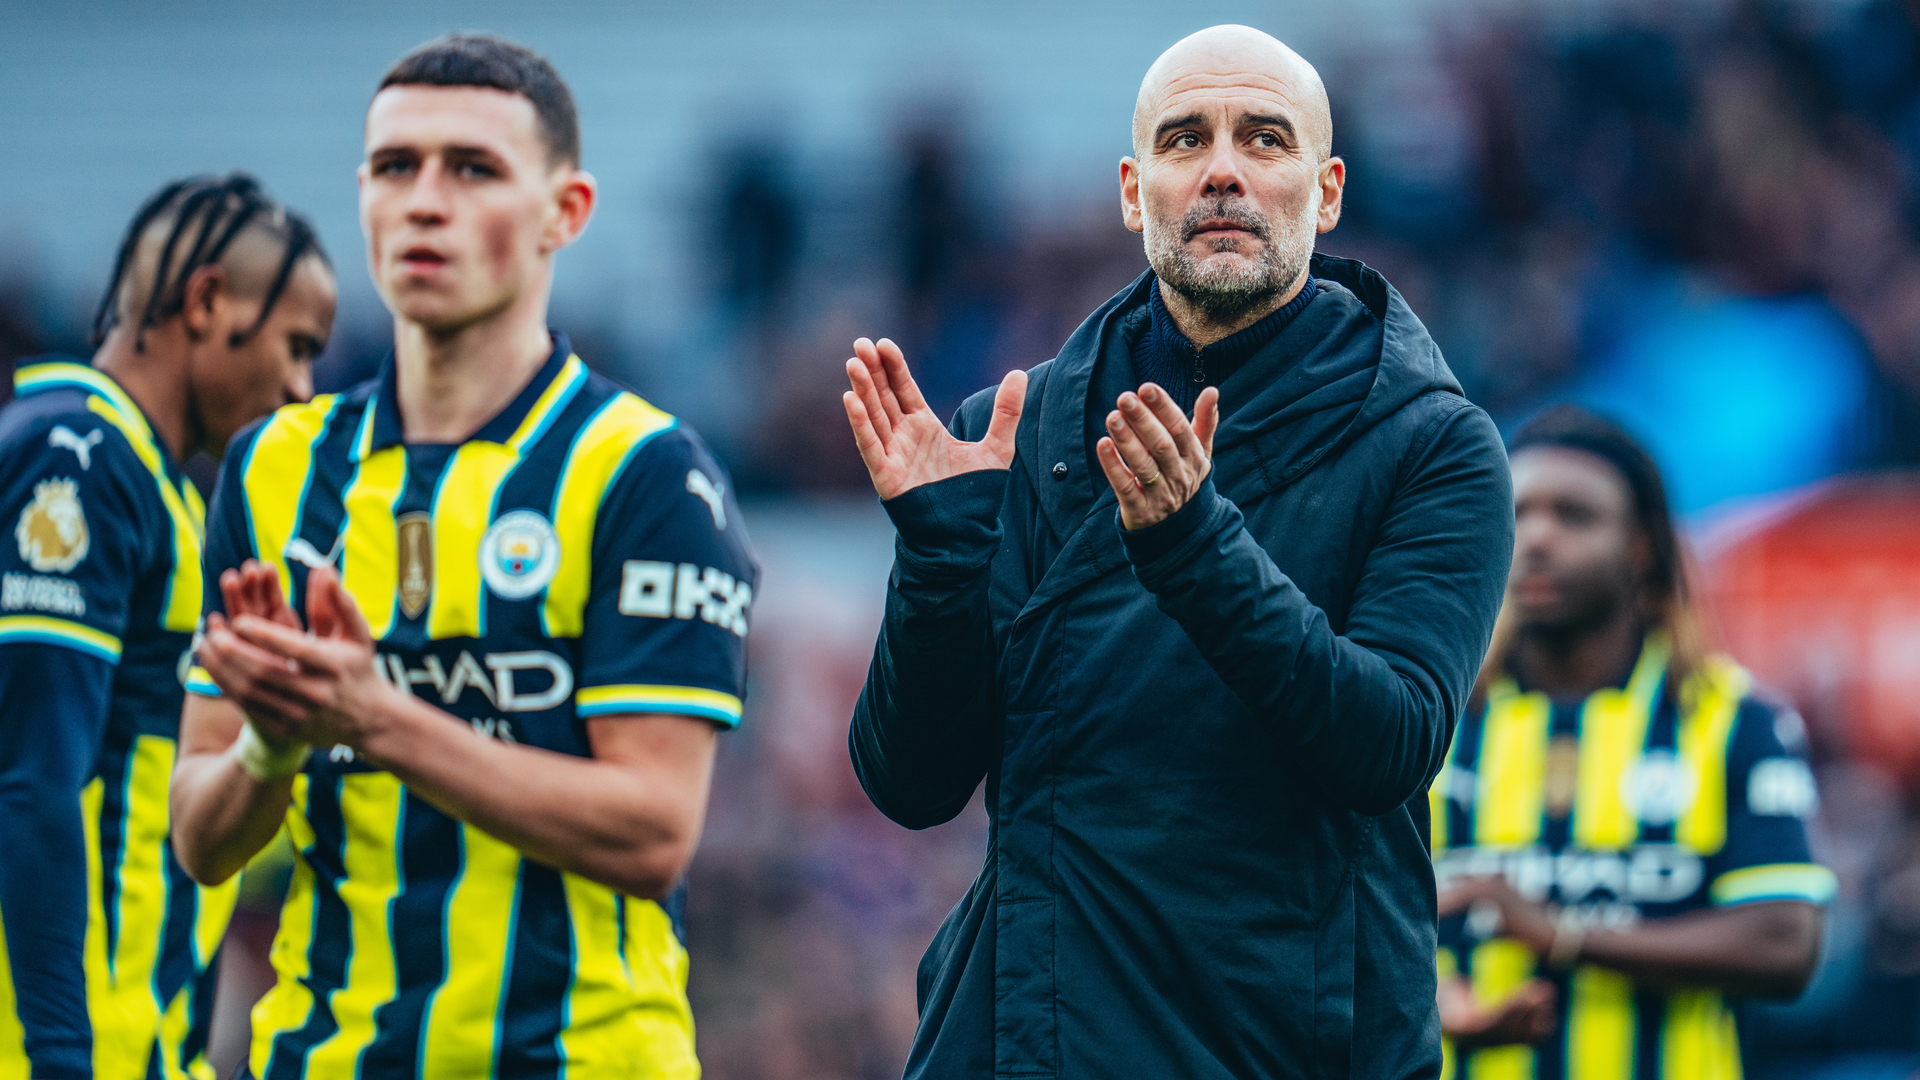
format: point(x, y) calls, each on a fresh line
point(1165, 356)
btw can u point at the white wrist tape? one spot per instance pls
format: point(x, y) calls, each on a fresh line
point(1569, 934)
point(266, 762)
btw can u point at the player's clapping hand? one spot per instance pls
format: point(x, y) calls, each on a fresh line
point(1527, 1014)
point(1514, 916)
point(254, 589)
point(251, 589)
point(1524, 1016)
point(1153, 457)
point(318, 688)
point(903, 443)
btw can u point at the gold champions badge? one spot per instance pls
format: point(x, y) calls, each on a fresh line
point(416, 562)
point(53, 529)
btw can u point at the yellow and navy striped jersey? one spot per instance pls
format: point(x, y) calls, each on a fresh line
point(1635, 803)
point(580, 556)
point(108, 946)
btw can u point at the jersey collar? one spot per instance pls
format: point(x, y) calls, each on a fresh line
point(1645, 683)
point(524, 420)
point(61, 373)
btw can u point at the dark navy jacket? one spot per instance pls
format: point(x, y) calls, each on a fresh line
point(1205, 744)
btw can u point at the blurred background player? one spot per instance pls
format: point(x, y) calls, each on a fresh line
point(1619, 831)
point(500, 801)
point(219, 302)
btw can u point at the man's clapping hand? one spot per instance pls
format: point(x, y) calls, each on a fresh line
point(903, 443)
point(1154, 459)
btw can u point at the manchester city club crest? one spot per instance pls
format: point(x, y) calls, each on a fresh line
point(53, 528)
point(1659, 788)
point(519, 554)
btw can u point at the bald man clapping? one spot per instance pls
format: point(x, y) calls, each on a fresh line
point(1199, 600)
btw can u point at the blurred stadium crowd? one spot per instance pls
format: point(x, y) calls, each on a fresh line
point(1703, 219)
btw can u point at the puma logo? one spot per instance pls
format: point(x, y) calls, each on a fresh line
point(300, 551)
point(63, 438)
point(709, 493)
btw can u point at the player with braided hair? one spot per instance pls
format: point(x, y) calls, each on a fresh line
point(216, 213)
point(219, 301)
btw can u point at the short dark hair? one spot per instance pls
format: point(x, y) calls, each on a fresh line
point(1575, 428)
point(1667, 595)
point(485, 60)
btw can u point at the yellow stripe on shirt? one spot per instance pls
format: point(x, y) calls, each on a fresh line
point(370, 809)
point(1601, 1019)
point(96, 957)
point(370, 563)
point(212, 912)
point(1698, 1041)
point(659, 965)
point(44, 630)
point(175, 1024)
point(461, 1023)
point(111, 403)
point(572, 376)
point(677, 700)
point(1613, 736)
point(627, 1010)
point(199, 682)
point(36, 377)
point(462, 512)
point(181, 612)
point(604, 445)
point(1709, 704)
point(288, 1005)
point(275, 476)
point(13, 1036)
point(1774, 881)
point(125, 1006)
point(1511, 781)
point(1500, 967)
point(600, 1037)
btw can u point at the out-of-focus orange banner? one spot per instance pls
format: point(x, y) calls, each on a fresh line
point(1819, 595)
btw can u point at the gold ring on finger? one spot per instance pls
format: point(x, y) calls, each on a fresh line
point(1150, 481)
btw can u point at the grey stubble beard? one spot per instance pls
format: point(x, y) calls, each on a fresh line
point(1223, 295)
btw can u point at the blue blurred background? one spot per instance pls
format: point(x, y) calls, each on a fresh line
point(1699, 216)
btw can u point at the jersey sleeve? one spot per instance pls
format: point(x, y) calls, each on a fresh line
point(673, 581)
point(65, 582)
point(1770, 796)
point(228, 543)
point(67, 576)
point(54, 703)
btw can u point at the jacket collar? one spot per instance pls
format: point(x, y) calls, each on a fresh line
point(384, 428)
point(1063, 411)
point(1352, 357)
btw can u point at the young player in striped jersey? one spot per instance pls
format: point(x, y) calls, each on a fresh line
point(527, 591)
point(217, 306)
point(1619, 829)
